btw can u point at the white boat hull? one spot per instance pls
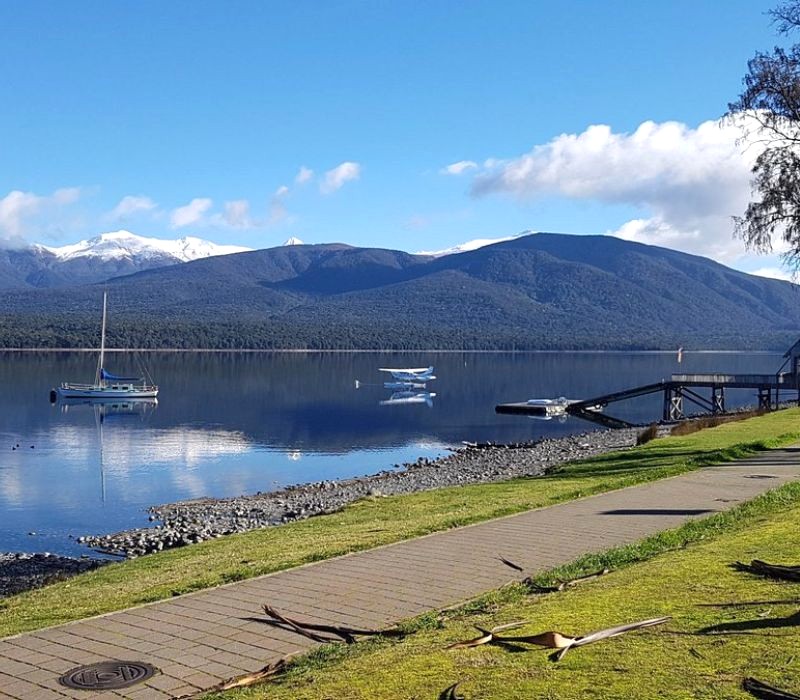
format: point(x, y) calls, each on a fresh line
point(73, 391)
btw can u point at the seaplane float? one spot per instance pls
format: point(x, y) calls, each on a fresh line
point(406, 378)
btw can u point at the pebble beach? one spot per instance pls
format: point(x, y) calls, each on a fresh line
point(188, 522)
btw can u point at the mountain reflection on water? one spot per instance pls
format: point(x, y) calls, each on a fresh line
point(232, 423)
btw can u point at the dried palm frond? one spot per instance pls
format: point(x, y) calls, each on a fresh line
point(511, 564)
point(608, 633)
point(486, 636)
point(766, 692)
point(762, 568)
point(312, 629)
point(553, 639)
point(450, 693)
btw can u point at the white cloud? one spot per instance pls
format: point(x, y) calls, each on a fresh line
point(130, 205)
point(776, 273)
point(277, 206)
point(688, 181)
point(191, 213)
point(18, 209)
point(15, 207)
point(66, 195)
point(459, 168)
point(335, 178)
point(303, 176)
point(237, 214)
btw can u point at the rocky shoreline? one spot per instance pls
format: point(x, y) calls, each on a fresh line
point(21, 572)
point(189, 522)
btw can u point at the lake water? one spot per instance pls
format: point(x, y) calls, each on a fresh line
point(227, 424)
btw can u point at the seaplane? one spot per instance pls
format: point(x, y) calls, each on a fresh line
point(408, 377)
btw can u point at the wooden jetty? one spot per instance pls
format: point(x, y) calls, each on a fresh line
point(683, 389)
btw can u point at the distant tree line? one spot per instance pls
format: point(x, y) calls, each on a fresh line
point(79, 331)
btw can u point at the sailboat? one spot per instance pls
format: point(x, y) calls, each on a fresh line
point(107, 385)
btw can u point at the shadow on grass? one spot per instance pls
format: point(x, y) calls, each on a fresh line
point(744, 626)
point(658, 511)
point(748, 603)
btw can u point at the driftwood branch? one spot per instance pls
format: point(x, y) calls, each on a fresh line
point(249, 679)
point(766, 692)
point(563, 585)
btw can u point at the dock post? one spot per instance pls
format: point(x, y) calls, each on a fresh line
point(674, 404)
point(717, 399)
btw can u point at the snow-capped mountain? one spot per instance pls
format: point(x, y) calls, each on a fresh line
point(293, 241)
point(100, 258)
point(470, 245)
point(116, 245)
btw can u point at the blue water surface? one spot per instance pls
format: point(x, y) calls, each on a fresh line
point(235, 423)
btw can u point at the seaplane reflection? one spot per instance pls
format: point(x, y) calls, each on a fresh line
point(409, 397)
point(408, 386)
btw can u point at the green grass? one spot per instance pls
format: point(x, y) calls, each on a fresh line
point(373, 522)
point(726, 625)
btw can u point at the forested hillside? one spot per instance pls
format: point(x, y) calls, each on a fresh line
point(542, 291)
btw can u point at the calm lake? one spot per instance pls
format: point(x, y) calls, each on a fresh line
point(227, 424)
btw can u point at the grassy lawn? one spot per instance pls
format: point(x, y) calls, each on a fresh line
point(374, 522)
point(726, 625)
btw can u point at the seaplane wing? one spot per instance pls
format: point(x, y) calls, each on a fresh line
point(410, 374)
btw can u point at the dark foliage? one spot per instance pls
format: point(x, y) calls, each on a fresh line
point(770, 103)
point(648, 434)
point(544, 291)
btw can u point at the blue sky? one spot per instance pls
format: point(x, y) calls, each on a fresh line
point(195, 118)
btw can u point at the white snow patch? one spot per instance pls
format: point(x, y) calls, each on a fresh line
point(293, 241)
point(116, 245)
point(470, 245)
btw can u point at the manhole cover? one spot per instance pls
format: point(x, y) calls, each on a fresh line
point(108, 675)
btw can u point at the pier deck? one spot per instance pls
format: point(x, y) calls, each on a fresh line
point(676, 390)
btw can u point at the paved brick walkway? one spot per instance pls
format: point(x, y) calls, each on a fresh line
point(199, 639)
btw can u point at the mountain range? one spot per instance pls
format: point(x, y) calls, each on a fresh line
point(97, 259)
point(538, 291)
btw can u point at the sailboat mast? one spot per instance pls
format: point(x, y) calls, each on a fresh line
point(102, 343)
